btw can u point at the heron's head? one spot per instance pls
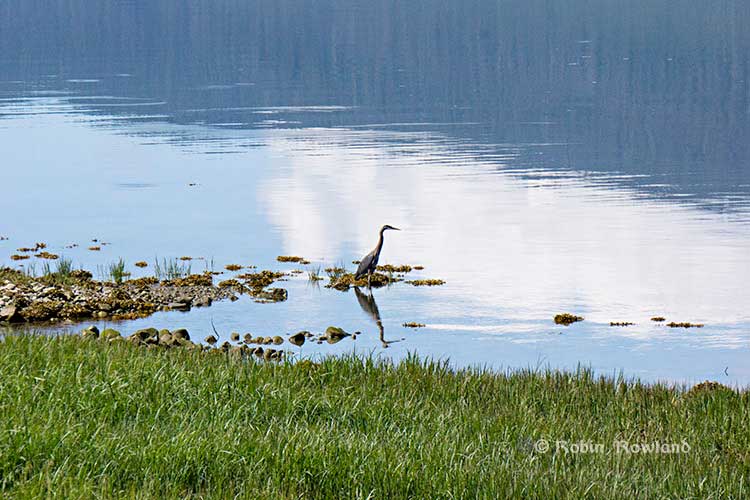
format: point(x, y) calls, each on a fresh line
point(389, 227)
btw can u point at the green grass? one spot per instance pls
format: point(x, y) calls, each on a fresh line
point(117, 272)
point(313, 274)
point(61, 273)
point(83, 418)
point(170, 269)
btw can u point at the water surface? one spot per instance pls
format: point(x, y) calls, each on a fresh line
point(539, 160)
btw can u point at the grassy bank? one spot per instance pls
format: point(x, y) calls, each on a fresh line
point(82, 417)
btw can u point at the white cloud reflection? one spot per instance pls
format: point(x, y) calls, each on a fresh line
point(528, 247)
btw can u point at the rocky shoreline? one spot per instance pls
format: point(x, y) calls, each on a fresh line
point(76, 297)
point(153, 338)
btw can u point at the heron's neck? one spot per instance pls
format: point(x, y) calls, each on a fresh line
point(380, 241)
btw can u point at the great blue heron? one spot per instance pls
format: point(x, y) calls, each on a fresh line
point(369, 262)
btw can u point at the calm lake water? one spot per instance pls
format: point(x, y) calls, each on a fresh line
point(590, 158)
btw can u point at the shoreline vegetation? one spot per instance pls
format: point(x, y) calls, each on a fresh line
point(85, 417)
point(61, 293)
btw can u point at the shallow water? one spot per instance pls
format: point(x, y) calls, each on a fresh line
point(611, 181)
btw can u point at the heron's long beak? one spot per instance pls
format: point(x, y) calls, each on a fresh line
point(397, 229)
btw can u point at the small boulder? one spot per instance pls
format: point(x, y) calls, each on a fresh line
point(211, 340)
point(109, 334)
point(179, 306)
point(9, 313)
point(185, 299)
point(334, 334)
point(298, 338)
point(91, 332)
point(202, 302)
point(567, 319)
point(145, 333)
point(278, 340)
point(235, 337)
point(181, 334)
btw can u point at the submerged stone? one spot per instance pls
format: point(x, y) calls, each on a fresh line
point(567, 319)
point(428, 282)
point(292, 258)
point(340, 280)
point(334, 334)
point(684, 325)
point(413, 325)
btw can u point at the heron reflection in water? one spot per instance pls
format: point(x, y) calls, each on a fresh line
point(368, 305)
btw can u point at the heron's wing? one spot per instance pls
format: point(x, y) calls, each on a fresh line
point(364, 265)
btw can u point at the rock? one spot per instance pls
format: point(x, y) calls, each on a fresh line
point(185, 299)
point(235, 337)
point(269, 353)
point(91, 332)
point(298, 338)
point(181, 334)
point(109, 334)
point(225, 346)
point(211, 340)
point(101, 314)
point(248, 338)
point(566, 319)
point(267, 340)
point(202, 302)
point(179, 306)
point(145, 334)
point(81, 275)
point(165, 338)
point(9, 313)
point(335, 334)
point(278, 340)
point(258, 352)
point(42, 310)
point(270, 295)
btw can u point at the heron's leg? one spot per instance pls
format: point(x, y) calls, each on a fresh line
point(369, 275)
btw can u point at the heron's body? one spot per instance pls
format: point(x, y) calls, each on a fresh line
point(369, 262)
